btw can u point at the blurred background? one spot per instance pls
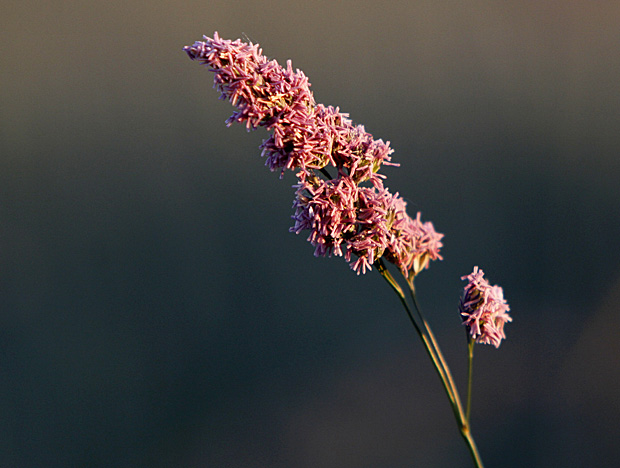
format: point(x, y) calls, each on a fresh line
point(156, 312)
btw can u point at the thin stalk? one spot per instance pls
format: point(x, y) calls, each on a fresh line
point(471, 445)
point(426, 340)
point(432, 347)
point(442, 360)
point(470, 365)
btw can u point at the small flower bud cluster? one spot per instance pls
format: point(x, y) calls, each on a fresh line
point(483, 309)
point(349, 212)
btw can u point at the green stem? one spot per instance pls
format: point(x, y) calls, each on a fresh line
point(446, 370)
point(470, 365)
point(462, 419)
point(428, 346)
point(432, 348)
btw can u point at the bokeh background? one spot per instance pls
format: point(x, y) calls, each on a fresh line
point(156, 312)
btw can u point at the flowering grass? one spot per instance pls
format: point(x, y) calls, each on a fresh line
point(341, 200)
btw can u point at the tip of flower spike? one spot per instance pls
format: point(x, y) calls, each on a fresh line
point(200, 48)
point(195, 50)
point(188, 50)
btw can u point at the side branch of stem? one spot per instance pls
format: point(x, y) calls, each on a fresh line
point(431, 346)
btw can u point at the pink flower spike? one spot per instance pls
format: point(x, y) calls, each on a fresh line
point(340, 196)
point(483, 309)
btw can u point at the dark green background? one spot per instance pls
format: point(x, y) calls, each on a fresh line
point(156, 312)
